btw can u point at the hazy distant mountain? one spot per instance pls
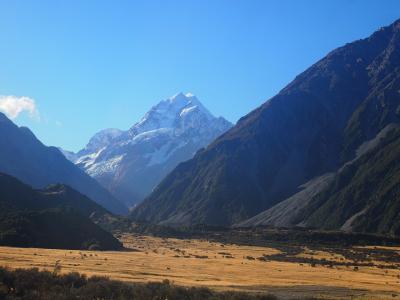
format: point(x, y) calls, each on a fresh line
point(99, 141)
point(70, 155)
point(55, 217)
point(131, 163)
point(23, 156)
point(324, 152)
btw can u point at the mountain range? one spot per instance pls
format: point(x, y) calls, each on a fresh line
point(131, 163)
point(23, 156)
point(324, 152)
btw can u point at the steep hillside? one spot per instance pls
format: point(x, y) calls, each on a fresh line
point(361, 196)
point(16, 196)
point(57, 217)
point(310, 129)
point(364, 196)
point(25, 157)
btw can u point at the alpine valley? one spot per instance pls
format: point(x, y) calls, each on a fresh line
point(323, 153)
point(300, 198)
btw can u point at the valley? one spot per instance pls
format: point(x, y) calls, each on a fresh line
point(285, 270)
point(266, 191)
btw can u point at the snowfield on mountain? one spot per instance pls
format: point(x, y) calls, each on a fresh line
point(131, 163)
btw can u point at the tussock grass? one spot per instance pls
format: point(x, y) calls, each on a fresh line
point(286, 272)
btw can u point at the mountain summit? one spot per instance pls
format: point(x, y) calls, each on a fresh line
point(296, 153)
point(131, 163)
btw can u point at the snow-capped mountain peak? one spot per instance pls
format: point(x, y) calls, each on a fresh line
point(131, 163)
point(101, 139)
point(167, 113)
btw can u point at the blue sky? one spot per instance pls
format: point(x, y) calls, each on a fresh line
point(90, 65)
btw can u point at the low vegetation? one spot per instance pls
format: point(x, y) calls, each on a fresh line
point(253, 236)
point(284, 270)
point(35, 284)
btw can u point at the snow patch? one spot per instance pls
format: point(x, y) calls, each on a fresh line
point(105, 166)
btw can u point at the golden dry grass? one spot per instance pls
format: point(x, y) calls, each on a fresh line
point(222, 267)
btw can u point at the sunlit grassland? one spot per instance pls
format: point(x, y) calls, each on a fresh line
point(221, 267)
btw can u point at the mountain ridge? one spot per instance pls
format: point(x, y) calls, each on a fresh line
point(310, 128)
point(29, 160)
point(54, 217)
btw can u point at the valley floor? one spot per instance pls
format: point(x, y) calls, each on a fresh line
point(284, 271)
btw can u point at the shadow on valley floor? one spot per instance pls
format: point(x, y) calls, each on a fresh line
point(351, 247)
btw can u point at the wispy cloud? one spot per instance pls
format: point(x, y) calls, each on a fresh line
point(13, 106)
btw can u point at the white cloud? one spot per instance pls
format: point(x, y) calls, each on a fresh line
point(12, 106)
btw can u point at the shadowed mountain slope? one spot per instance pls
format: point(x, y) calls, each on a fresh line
point(57, 217)
point(23, 156)
point(310, 129)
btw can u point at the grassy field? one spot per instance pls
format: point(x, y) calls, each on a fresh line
point(357, 272)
